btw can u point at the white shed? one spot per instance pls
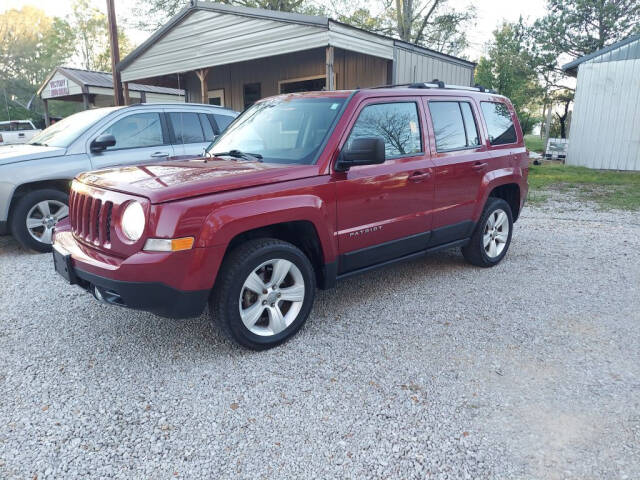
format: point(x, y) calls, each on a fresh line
point(605, 126)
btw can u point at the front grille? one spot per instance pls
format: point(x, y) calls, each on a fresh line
point(90, 218)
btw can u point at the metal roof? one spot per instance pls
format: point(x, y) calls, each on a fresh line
point(572, 67)
point(90, 78)
point(287, 17)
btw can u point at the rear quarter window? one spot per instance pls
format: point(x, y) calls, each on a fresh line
point(499, 122)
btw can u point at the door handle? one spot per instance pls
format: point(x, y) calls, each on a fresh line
point(159, 155)
point(479, 165)
point(419, 176)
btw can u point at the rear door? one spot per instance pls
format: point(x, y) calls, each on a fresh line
point(141, 136)
point(460, 161)
point(384, 211)
point(192, 132)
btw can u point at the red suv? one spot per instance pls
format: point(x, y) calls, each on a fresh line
point(300, 191)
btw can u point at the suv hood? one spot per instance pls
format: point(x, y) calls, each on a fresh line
point(174, 180)
point(24, 152)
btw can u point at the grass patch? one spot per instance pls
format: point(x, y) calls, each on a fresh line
point(608, 188)
point(534, 143)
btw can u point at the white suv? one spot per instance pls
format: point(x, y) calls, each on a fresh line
point(35, 177)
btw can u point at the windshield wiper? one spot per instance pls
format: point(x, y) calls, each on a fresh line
point(38, 144)
point(253, 157)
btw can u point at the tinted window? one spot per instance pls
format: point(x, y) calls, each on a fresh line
point(499, 123)
point(223, 121)
point(187, 128)
point(206, 127)
point(448, 125)
point(397, 123)
point(473, 139)
point(135, 131)
point(251, 94)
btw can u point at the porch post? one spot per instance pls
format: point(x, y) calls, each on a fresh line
point(85, 101)
point(125, 93)
point(330, 82)
point(204, 89)
point(47, 120)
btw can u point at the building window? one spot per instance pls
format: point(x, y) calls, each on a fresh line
point(499, 123)
point(454, 125)
point(306, 84)
point(251, 94)
point(216, 97)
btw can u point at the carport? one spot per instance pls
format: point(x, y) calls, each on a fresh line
point(95, 89)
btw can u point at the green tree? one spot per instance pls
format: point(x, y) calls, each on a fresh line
point(509, 69)
point(31, 46)
point(91, 28)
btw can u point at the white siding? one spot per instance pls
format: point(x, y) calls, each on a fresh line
point(207, 39)
point(412, 66)
point(604, 126)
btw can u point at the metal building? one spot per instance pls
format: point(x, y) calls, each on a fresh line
point(605, 126)
point(232, 56)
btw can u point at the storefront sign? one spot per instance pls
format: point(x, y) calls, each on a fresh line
point(59, 88)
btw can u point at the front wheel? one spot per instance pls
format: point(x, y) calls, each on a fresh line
point(264, 293)
point(35, 215)
point(492, 236)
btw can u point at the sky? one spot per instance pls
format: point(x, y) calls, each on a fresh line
point(490, 13)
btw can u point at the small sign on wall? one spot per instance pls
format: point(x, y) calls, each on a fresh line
point(59, 88)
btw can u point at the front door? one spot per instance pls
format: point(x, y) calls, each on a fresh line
point(384, 211)
point(140, 137)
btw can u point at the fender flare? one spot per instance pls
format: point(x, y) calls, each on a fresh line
point(228, 221)
point(493, 179)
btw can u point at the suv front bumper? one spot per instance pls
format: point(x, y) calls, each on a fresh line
point(138, 282)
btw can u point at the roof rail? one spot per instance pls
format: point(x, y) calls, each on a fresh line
point(435, 83)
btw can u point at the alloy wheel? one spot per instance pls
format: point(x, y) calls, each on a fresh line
point(271, 297)
point(496, 233)
point(43, 216)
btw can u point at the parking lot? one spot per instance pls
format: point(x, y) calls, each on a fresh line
point(429, 369)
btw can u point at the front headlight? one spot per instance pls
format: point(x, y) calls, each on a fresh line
point(133, 221)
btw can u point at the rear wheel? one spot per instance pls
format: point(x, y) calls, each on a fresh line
point(35, 215)
point(492, 236)
point(264, 293)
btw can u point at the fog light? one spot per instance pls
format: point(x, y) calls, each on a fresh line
point(168, 244)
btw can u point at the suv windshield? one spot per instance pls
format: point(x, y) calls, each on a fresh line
point(282, 130)
point(62, 133)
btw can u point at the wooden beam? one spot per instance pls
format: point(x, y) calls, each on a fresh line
point(47, 119)
point(125, 93)
point(118, 96)
point(330, 83)
point(85, 101)
point(204, 88)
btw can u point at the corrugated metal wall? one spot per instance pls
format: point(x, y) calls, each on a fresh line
point(412, 66)
point(605, 125)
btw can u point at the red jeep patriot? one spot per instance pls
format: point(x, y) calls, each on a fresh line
point(300, 191)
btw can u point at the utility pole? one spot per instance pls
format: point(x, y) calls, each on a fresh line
point(115, 54)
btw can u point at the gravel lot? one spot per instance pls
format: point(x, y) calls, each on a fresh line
point(431, 369)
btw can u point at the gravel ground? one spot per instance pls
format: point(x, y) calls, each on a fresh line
point(430, 369)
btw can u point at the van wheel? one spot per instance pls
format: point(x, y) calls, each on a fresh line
point(35, 215)
point(264, 293)
point(492, 236)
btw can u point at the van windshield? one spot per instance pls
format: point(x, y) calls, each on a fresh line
point(282, 130)
point(64, 132)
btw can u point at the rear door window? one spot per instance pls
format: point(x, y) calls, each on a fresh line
point(186, 127)
point(499, 123)
point(223, 121)
point(448, 126)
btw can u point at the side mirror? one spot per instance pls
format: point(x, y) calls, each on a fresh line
point(103, 142)
point(361, 151)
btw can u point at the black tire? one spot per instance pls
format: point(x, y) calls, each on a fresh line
point(474, 252)
point(235, 269)
point(22, 208)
